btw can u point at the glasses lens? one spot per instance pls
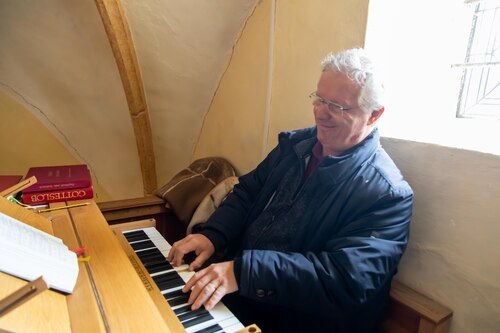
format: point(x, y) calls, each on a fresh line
point(332, 107)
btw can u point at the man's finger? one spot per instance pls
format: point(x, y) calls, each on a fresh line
point(170, 254)
point(190, 283)
point(173, 251)
point(176, 258)
point(196, 291)
point(203, 295)
point(215, 298)
point(199, 261)
point(178, 251)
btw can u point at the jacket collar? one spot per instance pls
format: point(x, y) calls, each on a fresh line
point(332, 168)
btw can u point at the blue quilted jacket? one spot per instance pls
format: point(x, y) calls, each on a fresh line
point(335, 272)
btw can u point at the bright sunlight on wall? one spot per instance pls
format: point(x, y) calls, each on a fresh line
point(415, 43)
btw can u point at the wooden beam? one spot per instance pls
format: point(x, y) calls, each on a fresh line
point(116, 26)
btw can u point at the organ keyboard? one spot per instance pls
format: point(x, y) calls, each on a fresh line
point(151, 249)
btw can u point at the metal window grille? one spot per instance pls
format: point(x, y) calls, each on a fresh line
point(479, 95)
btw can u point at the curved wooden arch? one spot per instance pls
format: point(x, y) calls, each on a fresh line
point(116, 26)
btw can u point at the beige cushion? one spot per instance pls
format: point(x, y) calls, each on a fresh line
point(211, 201)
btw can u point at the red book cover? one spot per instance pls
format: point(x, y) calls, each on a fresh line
point(38, 198)
point(9, 181)
point(62, 177)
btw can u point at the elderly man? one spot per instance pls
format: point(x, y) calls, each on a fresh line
point(312, 237)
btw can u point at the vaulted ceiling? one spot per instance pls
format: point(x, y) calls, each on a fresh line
point(56, 60)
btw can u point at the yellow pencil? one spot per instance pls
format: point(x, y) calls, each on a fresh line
point(63, 207)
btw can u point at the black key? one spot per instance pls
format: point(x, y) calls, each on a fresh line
point(151, 257)
point(155, 261)
point(167, 276)
point(200, 319)
point(134, 233)
point(182, 309)
point(142, 245)
point(149, 253)
point(172, 284)
point(168, 280)
point(210, 329)
point(135, 236)
point(159, 267)
point(192, 314)
point(174, 294)
point(179, 300)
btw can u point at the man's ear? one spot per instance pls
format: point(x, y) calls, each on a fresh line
point(375, 115)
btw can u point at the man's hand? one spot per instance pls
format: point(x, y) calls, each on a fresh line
point(201, 245)
point(209, 285)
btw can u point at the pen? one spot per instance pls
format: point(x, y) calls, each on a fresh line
point(63, 207)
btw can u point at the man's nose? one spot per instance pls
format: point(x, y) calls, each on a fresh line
point(321, 111)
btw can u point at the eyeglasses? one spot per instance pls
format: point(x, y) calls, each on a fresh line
point(332, 106)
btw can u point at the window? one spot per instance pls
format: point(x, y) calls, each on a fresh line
point(479, 95)
point(434, 54)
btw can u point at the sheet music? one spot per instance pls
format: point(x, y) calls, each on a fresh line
point(28, 253)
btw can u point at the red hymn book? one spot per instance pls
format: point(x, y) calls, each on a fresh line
point(9, 181)
point(58, 183)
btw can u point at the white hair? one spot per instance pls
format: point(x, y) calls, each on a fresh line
point(356, 64)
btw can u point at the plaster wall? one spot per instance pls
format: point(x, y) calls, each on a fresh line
point(183, 48)
point(55, 61)
point(27, 142)
point(453, 253)
point(306, 31)
point(266, 85)
point(234, 124)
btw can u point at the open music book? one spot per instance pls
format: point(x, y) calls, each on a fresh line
point(28, 253)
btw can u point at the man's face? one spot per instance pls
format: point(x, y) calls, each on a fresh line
point(340, 130)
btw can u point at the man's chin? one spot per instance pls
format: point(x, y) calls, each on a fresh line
point(326, 138)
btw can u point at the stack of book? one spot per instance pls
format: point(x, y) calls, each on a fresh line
point(58, 183)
